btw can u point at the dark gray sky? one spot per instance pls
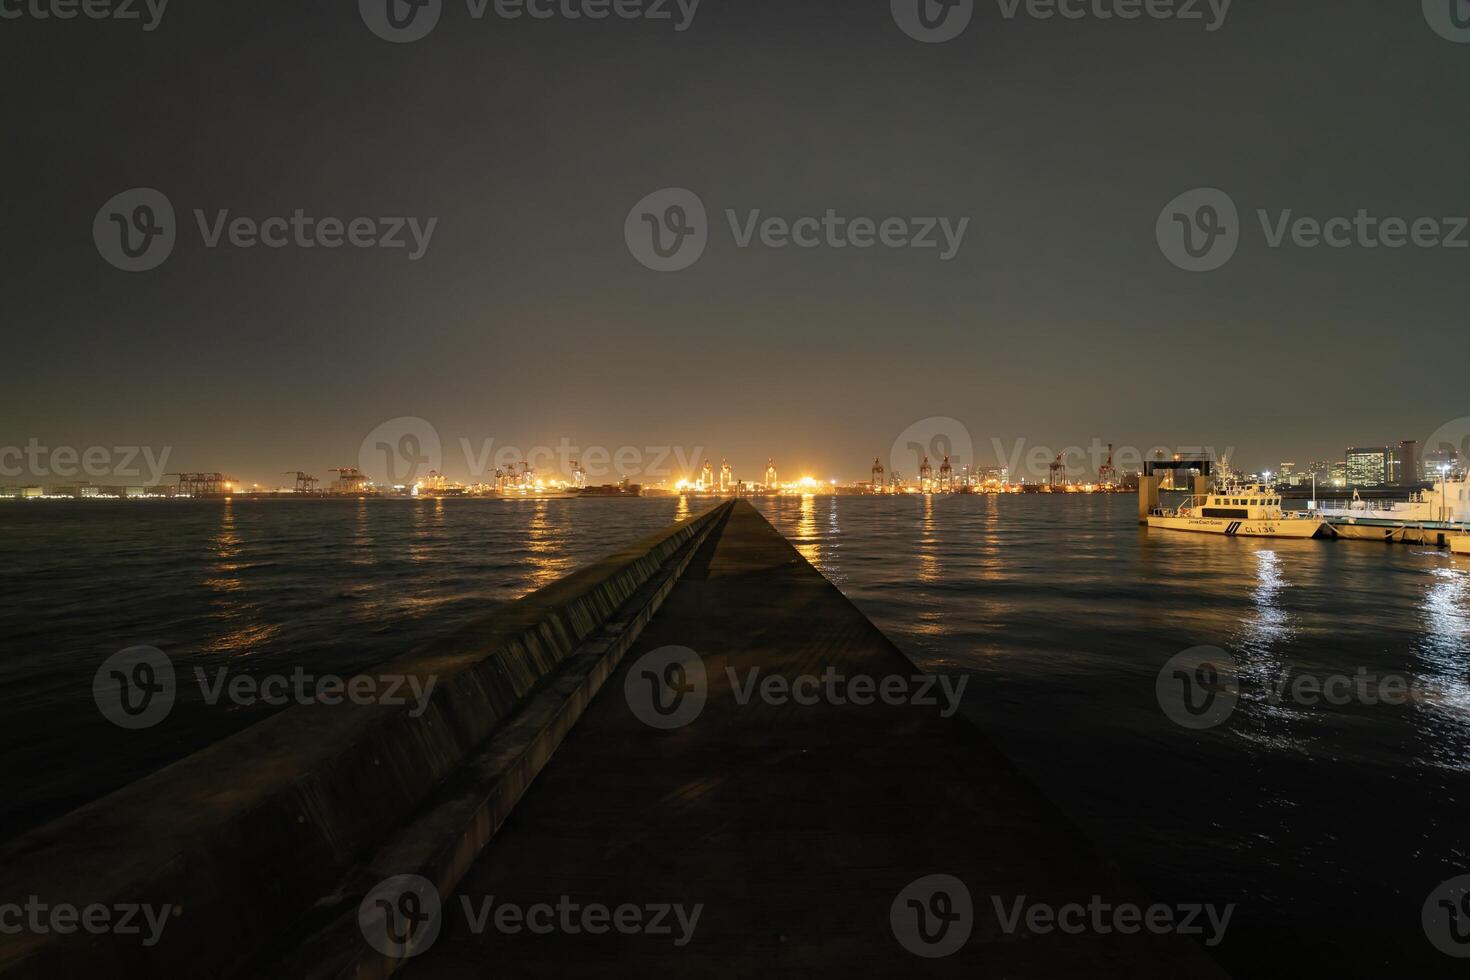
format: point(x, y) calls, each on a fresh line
point(528, 320)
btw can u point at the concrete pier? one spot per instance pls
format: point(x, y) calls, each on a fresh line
point(795, 827)
point(806, 829)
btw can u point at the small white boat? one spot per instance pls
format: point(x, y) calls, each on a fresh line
point(1251, 510)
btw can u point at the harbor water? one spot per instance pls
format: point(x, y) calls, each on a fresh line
point(1327, 819)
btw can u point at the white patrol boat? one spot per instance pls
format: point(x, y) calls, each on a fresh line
point(1252, 510)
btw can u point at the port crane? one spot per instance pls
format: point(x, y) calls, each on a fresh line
point(204, 484)
point(350, 479)
point(1058, 473)
point(1107, 473)
point(304, 482)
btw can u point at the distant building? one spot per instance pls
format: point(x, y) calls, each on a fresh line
point(1405, 464)
point(1338, 474)
point(1370, 467)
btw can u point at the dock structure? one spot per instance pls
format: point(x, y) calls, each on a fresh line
point(794, 831)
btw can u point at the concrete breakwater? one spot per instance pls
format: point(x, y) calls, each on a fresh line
point(263, 838)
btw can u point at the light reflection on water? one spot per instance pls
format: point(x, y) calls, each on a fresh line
point(334, 585)
point(1309, 815)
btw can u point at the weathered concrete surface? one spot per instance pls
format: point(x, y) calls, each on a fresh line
point(261, 835)
point(795, 827)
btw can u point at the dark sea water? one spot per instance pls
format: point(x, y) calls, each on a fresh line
point(1328, 824)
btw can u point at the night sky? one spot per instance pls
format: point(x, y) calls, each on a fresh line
point(528, 320)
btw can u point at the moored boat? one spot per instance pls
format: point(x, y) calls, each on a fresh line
point(1249, 510)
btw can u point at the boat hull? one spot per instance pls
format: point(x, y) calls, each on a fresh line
point(1286, 527)
point(1460, 545)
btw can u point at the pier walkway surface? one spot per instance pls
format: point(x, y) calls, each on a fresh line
point(796, 827)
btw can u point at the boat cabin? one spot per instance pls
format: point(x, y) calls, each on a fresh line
point(1252, 502)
